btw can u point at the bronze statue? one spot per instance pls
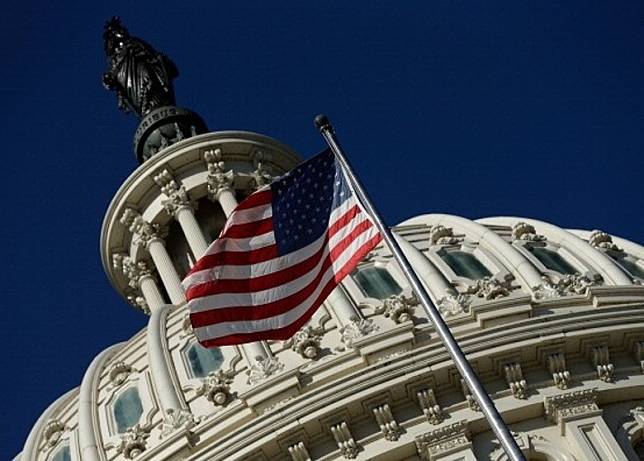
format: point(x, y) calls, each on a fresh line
point(140, 75)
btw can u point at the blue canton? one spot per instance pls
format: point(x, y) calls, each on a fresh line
point(303, 200)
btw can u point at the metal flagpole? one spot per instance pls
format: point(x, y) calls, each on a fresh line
point(464, 368)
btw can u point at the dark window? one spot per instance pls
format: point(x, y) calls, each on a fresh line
point(552, 260)
point(377, 282)
point(127, 410)
point(465, 265)
point(203, 361)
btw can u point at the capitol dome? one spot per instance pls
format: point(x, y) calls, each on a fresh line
point(551, 319)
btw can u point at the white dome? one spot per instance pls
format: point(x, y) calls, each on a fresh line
point(552, 320)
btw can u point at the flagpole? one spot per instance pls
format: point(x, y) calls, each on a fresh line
point(492, 415)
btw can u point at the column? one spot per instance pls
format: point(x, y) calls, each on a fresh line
point(179, 207)
point(581, 423)
point(148, 236)
point(140, 277)
point(220, 181)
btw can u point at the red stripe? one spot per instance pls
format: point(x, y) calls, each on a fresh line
point(343, 220)
point(256, 199)
point(259, 283)
point(288, 331)
point(261, 311)
point(249, 229)
point(236, 258)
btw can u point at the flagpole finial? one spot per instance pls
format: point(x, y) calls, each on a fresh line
point(322, 122)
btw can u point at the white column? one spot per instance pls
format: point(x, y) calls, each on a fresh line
point(178, 206)
point(166, 270)
point(148, 236)
point(140, 277)
point(151, 292)
point(192, 231)
point(227, 200)
point(580, 422)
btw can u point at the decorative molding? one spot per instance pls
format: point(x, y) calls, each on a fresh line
point(639, 354)
point(601, 362)
point(454, 304)
point(600, 239)
point(565, 407)
point(135, 271)
point(471, 401)
point(175, 420)
point(52, 432)
point(388, 425)
point(143, 232)
point(219, 180)
point(514, 378)
point(491, 288)
point(443, 441)
point(344, 440)
point(441, 235)
point(177, 195)
point(261, 175)
point(299, 452)
point(399, 308)
point(524, 231)
point(306, 341)
point(216, 387)
point(429, 405)
point(357, 328)
point(262, 368)
point(567, 285)
point(133, 441)
point(557, 367)
point(118, 372)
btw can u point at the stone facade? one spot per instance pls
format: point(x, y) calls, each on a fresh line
point(559, 350)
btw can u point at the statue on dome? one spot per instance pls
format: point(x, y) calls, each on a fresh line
point(140, 75)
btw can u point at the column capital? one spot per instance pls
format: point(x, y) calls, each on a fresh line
point(135, 271)
point(569, 406)
point(261, 175)
point(219, 179)
point(177, 195)
point(143, 232)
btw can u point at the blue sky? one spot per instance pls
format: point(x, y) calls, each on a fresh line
point(469, 108)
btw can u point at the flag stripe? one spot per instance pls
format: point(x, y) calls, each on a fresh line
point(271, 302)
point(240, 332)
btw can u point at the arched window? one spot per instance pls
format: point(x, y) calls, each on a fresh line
point(552, 260)
point(62, 454)
point(376, 282)
point(630, 266)
point(465, 264)
point(127, 410)
point(203, 361)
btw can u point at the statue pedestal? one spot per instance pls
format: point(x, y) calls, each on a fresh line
point(163, 127)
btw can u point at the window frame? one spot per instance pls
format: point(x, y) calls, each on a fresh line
point(143, 384)
point(584, 269)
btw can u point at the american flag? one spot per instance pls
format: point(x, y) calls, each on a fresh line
point(280, 254)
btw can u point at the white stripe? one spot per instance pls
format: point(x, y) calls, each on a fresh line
point(248, 215)
point(276, 293)
point(283, 320)
point(241, 244)
point(281, 262)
